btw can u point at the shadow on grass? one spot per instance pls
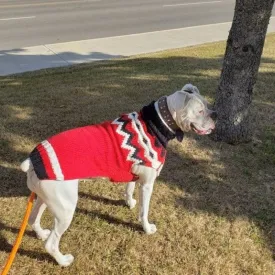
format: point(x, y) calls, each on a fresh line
point(110, 219)
point(15, 230)
point(7, 247)
point(100, 199)
point(37, 105)
point(13, 183)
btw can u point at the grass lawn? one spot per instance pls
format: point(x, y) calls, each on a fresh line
point(213, 204)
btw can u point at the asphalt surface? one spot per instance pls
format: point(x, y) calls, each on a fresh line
point(25, 23)
point(39, 34)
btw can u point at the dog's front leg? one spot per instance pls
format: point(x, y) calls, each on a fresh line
point(146, 179)
point(145, 193)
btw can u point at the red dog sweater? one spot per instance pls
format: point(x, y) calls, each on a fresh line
point(104, 150)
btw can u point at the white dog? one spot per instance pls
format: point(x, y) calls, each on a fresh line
point(130, 149)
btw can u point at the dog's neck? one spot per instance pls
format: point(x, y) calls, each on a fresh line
point(160, 123)
point(165, 115)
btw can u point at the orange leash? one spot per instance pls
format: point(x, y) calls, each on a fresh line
point(19, 236)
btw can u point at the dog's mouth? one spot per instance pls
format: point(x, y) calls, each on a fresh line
point(200, 131)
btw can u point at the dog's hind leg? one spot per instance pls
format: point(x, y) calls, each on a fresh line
point(130, 188)
point(61, 199)
point(35, 217)
point(39, 206)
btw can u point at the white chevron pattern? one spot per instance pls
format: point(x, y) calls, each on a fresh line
point(124, 144)
point(146, 146)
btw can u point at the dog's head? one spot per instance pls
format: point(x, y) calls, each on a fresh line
point(190, 111)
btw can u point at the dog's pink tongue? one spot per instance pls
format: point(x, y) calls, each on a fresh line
point(200, 132)
point(203, 132)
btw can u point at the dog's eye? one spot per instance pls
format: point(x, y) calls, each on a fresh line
point(201, 112)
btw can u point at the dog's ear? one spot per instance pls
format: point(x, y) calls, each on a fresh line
point(189, 88)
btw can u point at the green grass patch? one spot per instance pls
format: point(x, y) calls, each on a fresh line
point(213, 203)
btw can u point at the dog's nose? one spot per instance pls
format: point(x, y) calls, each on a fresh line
point(214, 115)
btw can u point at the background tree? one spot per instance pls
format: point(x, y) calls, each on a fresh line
point(240, 68)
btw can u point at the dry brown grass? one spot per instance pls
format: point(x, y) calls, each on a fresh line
point(214, 204)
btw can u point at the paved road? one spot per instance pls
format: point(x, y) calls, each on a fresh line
point(25, 23)
point(39, 34)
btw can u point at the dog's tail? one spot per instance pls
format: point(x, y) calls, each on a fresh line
point(25, 165)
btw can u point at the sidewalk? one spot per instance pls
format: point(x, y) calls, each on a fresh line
point(64, 54)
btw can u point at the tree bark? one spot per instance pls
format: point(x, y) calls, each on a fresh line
point(240, 68)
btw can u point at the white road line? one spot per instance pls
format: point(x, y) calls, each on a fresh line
point(189, 4)
point(17, 18)
point(48, 3)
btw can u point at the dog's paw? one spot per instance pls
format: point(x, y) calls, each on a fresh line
point(65, 260)
point(131, 203)
point(150, 228)
point(43, 234)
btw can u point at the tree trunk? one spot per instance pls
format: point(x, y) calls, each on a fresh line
point(240, 68)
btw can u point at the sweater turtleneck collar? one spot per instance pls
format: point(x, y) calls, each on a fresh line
point(157, 126)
